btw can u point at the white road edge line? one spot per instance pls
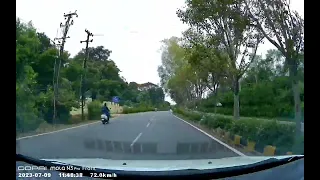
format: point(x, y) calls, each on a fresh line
point(26, 137)
point(222, 143)
point(136, 139)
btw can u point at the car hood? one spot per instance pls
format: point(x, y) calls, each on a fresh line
point(165, 165)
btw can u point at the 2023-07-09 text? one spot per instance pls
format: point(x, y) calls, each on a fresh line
point(24, 171)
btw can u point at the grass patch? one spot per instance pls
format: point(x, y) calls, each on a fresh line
point(46, 127)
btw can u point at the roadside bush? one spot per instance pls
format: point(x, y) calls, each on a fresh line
point(261, 131)
point(127, 110)
point(299, 148)
point(247, 128)
point(205, 120)
point(63, 113)
point(26, 122)
point(163, 108)
point(94, 110)
point(265, 132)
point(264, 111)
point(191, 115)
point(178, 111)
point(75, 119)
point(274, 133)
point(224, 110)
point(220, 122)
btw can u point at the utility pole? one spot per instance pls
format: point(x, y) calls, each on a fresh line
point(54, 67)
point(83, 76)
point(62, 40)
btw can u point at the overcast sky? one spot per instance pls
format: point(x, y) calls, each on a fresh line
point(132, 29)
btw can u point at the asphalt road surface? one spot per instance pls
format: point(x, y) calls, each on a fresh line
point(141, 136)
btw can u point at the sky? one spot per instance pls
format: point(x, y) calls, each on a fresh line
point(133, 30)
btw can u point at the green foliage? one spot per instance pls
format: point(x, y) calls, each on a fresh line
point(220, 122)
point(272, 99)
point(94, 110)
point(194, 116)
point(219, 50)
point(35, 59)
point(265, 91)
point(263, 132)
point(127, 110)
point(145, 107)
point(163, 106)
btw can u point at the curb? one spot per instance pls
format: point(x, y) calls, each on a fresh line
point(247, 145)
point(250, 146)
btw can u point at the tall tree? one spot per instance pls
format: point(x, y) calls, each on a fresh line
point(171, 57)
point(231, 32)
point(210, 63)
point(98, 53)
point(284, 28)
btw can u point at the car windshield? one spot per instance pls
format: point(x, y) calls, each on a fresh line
point(160, 79)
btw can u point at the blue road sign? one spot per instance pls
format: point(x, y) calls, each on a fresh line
point(115, 99)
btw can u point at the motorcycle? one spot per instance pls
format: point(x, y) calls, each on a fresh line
point(105, 119)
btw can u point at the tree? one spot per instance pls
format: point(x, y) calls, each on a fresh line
point(35, 58)
point(230, 31)
point(260, 70)
point(180, 87)
point(283, 28)
point(98, 53)
point(265, 94)
point(171, 58)
point(210, 63)
point(156, 95)
point(27, 44)
point(179, 78)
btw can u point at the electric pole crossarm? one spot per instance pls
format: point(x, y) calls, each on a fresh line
point(71, 14)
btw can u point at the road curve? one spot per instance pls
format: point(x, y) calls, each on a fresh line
point(141, 136)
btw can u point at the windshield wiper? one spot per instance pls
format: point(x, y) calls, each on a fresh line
point(187, 173)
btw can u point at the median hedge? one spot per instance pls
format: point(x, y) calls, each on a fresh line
point(263, 132)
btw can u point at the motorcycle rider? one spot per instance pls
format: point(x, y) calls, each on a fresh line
point(105, 110)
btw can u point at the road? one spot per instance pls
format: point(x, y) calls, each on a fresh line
point(141, 136)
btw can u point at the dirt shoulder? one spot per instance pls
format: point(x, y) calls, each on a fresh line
point(46, 128)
